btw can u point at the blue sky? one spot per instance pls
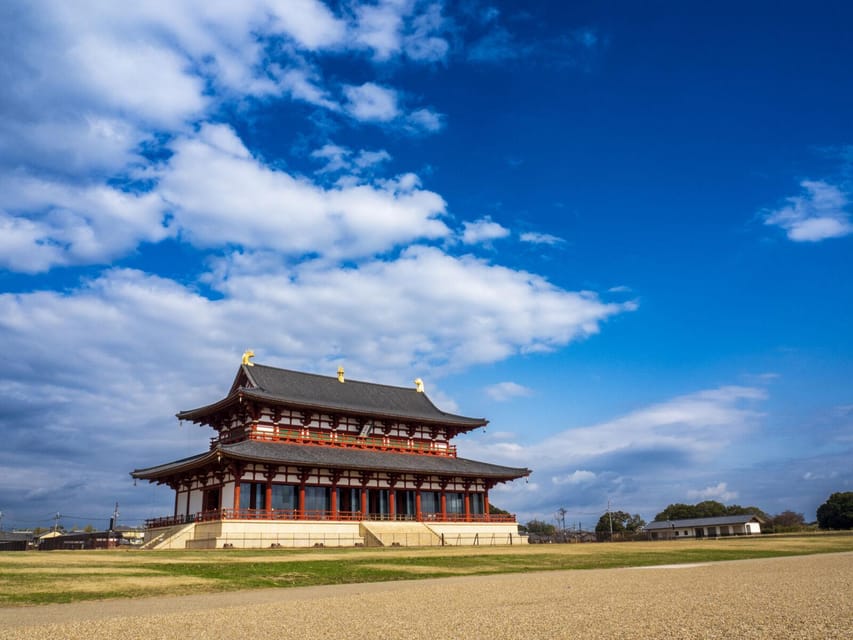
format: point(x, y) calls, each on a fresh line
point(620, 231)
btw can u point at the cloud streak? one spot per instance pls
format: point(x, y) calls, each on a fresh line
point(818, 214)
point(628, 457)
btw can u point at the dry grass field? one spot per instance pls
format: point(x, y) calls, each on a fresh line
point(794, 597)
point(32, 578)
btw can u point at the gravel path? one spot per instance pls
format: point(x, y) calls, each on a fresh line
point(800, 597)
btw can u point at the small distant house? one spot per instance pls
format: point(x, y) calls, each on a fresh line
point(80, 540)
point(15, 540)
point(744, 525)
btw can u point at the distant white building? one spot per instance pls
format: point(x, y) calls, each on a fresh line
point(744, 525)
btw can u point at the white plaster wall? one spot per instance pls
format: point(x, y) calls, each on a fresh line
point(195, 501)
point(182, 503)
point(245, 534)
point(483, 533)
point(226, 495)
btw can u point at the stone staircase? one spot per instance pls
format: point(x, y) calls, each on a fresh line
point(403, 534)
point(170, 537)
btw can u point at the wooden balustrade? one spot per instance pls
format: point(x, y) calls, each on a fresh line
point(375, 443)
point(338, 516)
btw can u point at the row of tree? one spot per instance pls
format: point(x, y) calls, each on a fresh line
point(835, 513)
point(708, 509)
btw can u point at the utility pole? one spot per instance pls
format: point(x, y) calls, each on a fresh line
point(56, 522)
point(561, 515)
point(114, 519)
point(610, 517)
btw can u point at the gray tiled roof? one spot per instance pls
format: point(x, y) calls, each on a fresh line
point(326, 392)
point(700, 522)
point(337, 458)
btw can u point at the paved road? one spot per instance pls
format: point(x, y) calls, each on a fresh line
point(802, 597)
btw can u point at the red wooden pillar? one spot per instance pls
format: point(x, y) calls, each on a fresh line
point(337, 474)
point(443, 505)
point(237, 473)
point(268, 498)
point(486, 504)
point(467, 506)
point(393, 479)
point(419, 482)
point(304, 473)
point(365, 479)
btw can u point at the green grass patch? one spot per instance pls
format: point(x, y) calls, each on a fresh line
point(28, 578)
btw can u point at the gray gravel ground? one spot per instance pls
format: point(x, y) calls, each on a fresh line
point(801, 597)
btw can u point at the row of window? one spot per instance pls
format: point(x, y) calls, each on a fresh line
point(286, 497)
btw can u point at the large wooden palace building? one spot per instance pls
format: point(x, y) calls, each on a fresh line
point(306, 460)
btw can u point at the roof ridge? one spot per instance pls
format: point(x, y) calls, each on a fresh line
point(334, 378)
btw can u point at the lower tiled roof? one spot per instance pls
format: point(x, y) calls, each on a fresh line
point(701, 522)
point(336, 458)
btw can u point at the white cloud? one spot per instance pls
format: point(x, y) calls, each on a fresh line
point(309, 22)
point(370, 102)
point(394, 27)
point(336, 157)
point(696, 425)
point(425, 120)
point(85, 84)
point(426, 307)
point(65, 224)
point(367, 159)
point(643, 458)
point(425, 39)
point(503, 391)
point(540, 238)
point(719, 492)
point(817, 215)
point(575, 478)
point(306, 85)
point(219, 195)
point(378, 27)
point(483, 230)
point(150, 81)
point(339, 158)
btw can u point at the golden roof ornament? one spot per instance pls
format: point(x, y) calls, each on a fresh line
point(247, 355)
point(340, 374)
point(419, 385)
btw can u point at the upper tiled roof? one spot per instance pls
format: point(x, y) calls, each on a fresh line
point(701, 522)
point(313, 391)
point(335, 457)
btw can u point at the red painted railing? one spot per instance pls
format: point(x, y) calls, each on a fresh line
point(339, 516)
point(349, 441)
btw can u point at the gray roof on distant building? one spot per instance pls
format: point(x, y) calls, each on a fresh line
point(701, 522)
point(326, 393)
point(336, 458)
